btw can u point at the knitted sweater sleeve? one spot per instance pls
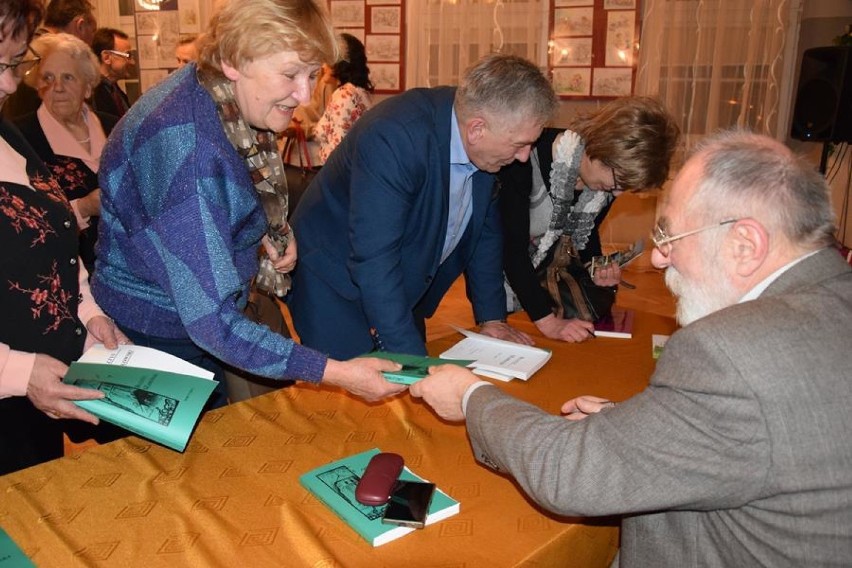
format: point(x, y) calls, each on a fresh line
point(182, 224)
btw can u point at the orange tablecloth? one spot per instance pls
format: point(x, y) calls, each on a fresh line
point(233, 498)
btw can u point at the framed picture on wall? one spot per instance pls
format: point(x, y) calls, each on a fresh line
point(593, 47)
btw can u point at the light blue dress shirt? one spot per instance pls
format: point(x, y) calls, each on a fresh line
point(461, 190)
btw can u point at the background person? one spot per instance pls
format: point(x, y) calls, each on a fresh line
point(195, 168)
point(186, 51)
point(117, 62)
point(48, 313)
point(567, 188)
point(304, 120)
point(349, 101)
point(75, 17)
point(738, 452)
point(65, 133)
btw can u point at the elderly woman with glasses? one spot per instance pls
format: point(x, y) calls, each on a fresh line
point(567, 188)
point(48, 314)
point(66, 134)
point(192, 184)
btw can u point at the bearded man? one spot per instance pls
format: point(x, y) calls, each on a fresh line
point(739, 451)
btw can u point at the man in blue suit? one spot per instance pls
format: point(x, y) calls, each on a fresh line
point(406, 203)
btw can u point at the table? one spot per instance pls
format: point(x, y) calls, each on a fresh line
point(233, 498)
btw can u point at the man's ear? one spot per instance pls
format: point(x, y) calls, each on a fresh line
point(77, 25)
point(475, 129)
point(750, 241)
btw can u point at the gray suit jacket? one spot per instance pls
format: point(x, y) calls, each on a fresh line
point(739, 453)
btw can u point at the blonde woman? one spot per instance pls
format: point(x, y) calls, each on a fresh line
point(192, 184)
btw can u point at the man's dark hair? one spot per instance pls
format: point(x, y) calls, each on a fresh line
point(105, 39)
point(60, 13)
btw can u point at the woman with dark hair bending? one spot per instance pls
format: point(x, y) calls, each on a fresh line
point(350, 100)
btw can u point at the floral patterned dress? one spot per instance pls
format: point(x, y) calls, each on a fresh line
point(347, 105)
point(39, 295)
point(75, 177)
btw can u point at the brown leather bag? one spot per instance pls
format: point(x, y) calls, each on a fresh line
point(572, 291)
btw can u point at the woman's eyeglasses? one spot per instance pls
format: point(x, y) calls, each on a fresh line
point(22, 67)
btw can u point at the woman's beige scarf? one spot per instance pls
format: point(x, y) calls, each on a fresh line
point(259, 150)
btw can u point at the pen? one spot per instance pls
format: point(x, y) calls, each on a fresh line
point(591, 333)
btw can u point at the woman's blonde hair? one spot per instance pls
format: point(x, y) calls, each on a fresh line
point(635, 136)
point(72, 46)
point(244, 30)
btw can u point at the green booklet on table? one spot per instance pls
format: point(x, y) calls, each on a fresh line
point(10, 553)
point(334, 484)
point(414, 367)
point(149, 392)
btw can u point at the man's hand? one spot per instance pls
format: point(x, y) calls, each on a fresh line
point(502, 330)
point(362, 377)
point(283, 263)
point(444, 390)
point(572, 330)
point(104, 330)
point(50, 395)
point(583, 406)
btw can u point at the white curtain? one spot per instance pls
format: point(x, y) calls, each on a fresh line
point(720, 63)
point(447, 36)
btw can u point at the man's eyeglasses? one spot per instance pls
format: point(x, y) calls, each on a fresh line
point(122, 54)
point(22, 67)
point(663, 241)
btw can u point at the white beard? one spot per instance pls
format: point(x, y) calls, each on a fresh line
point(696, 300)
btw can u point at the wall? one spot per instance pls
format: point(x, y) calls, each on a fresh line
point(633, 216)
point(822, 21)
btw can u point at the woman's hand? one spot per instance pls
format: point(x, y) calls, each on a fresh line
point(53, 397)
point(609, 275)
point(570, 330)
point(363, 377)
point(104, 330)
point(90, 205)
point(283, 263)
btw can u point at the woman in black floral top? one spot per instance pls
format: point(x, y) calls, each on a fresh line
point(48, 314)
point(66, 134)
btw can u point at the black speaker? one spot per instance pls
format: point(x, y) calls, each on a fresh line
point(823, 109)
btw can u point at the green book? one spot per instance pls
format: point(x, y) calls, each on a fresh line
point(162, 406)
point(334, 484)
point(11, 554)
point(414, 367)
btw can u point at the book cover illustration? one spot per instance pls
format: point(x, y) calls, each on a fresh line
point(343, 481)
point(334, 484)
point(146, 404)
point(159, 405)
